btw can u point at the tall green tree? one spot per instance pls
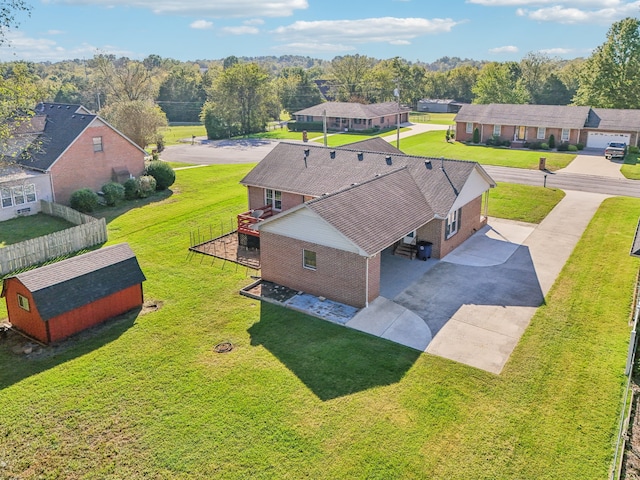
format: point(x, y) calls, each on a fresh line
point(499, 83)
point(535, 69)
point(296, 90)
point(460, 82)
point(140, 120)
point(610, 77)
point(181, 94)
point(348, 77)
point(123, 79)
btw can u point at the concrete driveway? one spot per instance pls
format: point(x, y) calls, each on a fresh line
point(592, 162)
point(474, 305)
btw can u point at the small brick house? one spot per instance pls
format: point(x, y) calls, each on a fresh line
point(354, 116)
point(324, 215)
point(519, 124)
point(55, 301)
point(76, 149)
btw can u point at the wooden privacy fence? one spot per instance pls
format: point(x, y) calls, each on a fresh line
point(88, 232)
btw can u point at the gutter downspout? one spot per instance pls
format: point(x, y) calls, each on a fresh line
point(366, 283)
point(53, 192)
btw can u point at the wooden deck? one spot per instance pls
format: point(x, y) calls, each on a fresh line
point(247, 219)
point(229, 248)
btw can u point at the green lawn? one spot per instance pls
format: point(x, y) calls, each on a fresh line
point(339, 139)
point(524, 203)
point(631, 167)
point(433, 144)
point(434, 118)
point(24, 228)
point(283, 134)
point(303, 398)
point(173, 135)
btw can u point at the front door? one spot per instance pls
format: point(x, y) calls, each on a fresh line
point(521, 133)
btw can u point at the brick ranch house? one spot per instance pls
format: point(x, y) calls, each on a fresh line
point(591, 127)
point(75, 149)
point(354, 116)
point(323, 216)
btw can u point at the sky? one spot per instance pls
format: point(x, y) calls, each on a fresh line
point(416, 30)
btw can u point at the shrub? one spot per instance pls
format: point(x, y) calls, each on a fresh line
point(535, 145)
point(580, 146)
point(495, 141)
point(634, 149)
point(506, 143)
point(112, 192)
point(563, 147)
point(131, 189)
point(552, 141)
point(544, 146)
point(573, 148)
point(476, 135)
point(84, 200)
point(163, 173)
point(146, 185)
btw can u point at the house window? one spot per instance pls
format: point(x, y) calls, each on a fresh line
point(273, 198)
point(30, 193)
point(97, 144)
point(381, 120)
point(542, 133)
point(5, 197)
point(565, 135)
point(18, 195)
point(497, 129)
point(453, 223)
point(23, 302)
point(309, 259)
point(309, 118)
point(469, 127)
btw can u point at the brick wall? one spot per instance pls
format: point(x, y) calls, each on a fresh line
point(257, 199)
point(81, 167)
point(339, 276)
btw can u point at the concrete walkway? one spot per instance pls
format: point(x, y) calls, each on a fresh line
point(594, 163)
point(478, 301)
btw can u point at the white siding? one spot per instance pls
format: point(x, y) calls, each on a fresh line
point(475, 186)
point(304, 224)
point(42, 183)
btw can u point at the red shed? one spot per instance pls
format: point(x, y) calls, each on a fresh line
point(52, 302)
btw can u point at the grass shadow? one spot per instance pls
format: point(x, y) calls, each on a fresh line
point(18, 366)
point(333, 361)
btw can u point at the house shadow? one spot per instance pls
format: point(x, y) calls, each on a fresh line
point(18, 365)
point(331, 360)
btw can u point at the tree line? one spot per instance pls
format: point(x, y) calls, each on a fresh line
point(234, 96)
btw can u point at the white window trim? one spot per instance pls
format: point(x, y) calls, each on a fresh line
point(304, 261)
point(497, 130)
point(11, 195)
point(563, 137)
point(23, 302)
point(452, 219)
point(97, 146)
point(469, 127)
point(273, 199)
point(542, 133)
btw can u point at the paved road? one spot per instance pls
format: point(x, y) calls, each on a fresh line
point(567, 181)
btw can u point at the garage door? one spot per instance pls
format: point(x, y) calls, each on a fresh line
point(602, 139)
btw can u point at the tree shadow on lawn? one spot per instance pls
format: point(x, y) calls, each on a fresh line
point(333, 361)
point(17, 366)
point(124, 206)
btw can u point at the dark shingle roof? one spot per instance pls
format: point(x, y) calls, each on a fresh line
point(285, 169)
point(353, 110)
point(378, 212)
point(373, 144)
point(558, 116)
point(74, 282)
point(614, 119)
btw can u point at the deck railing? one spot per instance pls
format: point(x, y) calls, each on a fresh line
point(247, 219)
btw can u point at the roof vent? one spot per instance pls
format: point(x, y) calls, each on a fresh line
point(59, 107)
point(332, 154)
point(360, 156)
point(68, 107)
point(388, 159)
point(427, 163)
point(73, 116)
point(354, 184)
point(306, 152)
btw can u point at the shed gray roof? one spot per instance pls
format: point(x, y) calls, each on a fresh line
point(285, 169)
point(378, 212)
point(353, 110)
point(558, 116)
point(66, 285)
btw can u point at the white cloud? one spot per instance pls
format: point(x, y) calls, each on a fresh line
point(242, 30)
point(347, 32)
point(311, 48)
point(45, 49)
point(254, 21)
point(576, 3)
point(557, 51)
point(55, 32)
point(571, 15)
point(211, 8)
point(505, 49)
point(201, 24)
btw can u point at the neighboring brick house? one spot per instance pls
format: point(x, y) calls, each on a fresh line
point(335, 211)
point(354, 116)
point(76, 149)
point(591, 127)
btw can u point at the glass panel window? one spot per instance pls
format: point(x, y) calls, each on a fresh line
point(452, 223)
point(5, 197)
point(565, 135)
point(469, 127)
point(97, 144)
point(497, 130)
point(542, 133)
point(30, 193)
point(18, 195)
point(273, 198)
point(23, 302)
point(309, 259)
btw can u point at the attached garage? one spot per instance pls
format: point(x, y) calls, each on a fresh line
point(602, 139)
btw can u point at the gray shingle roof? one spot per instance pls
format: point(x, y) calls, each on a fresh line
point(614, 119)
point(554, 116)
point(378, 212)
point(285, 169)
point(373, 144)
point(353, 110)
point(66, 285)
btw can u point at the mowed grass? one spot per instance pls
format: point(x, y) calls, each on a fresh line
point(24, 228)
point(433, 118)
point(175, 134)
point(524, 203)
point(300, 397)
point(283, 134)
point(340, 139)
point(631, 167)
point(433, 144)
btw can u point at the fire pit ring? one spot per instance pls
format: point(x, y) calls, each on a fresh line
point(224, 347)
